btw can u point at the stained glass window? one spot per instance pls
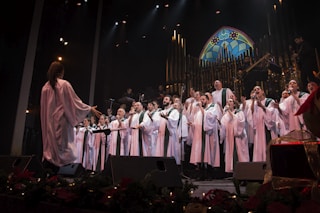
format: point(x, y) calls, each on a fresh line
point(226, 42)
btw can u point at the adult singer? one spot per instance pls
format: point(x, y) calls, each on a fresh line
point(60, 110)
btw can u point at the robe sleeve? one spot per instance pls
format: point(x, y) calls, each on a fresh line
point(75, 109)
point(270, 116)
point(239, 125)
point(173, 121)
point(210, 121)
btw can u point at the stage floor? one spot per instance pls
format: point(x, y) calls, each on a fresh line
point(208, 178)
point(206, 186)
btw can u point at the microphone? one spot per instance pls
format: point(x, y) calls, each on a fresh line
point(111, 99)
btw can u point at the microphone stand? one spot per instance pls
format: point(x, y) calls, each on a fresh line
point(181, 141)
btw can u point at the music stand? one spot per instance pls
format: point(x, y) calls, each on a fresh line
point(181, 150)
point(105, 131)
point(181, 141)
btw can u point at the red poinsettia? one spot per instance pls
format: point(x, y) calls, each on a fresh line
point(19, 175)
point(254, 201)
point(66, 195)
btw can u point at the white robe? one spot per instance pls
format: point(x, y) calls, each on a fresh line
point(146, 134)
point(153, 128)
point(196, 148)
point(88, 143)
point(189, 112)
point(182, 136)
point(171, 124)
point(134, 149)
point(174, 149)
point(289, 107)
point(99, 149)
point(79, 134)
point(123, 137)
point(211, 126)
point(258, 120)
point(142, 132)
point(249, 129)
point(233, 132)
point(282, 124)
point(60, 111)
point(217, 96)
point(159, 151)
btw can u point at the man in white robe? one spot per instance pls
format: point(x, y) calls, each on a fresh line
point(168, 123)
point(282, 123)
point(197, 148)
point(188, 112)
point(154, 114)
point(146, 133)
point(212, 115)
point(133, 131)
point(100, 144)
point(259, 117)
point(290, 106)
point(118, 136)
point(182, 131)
point(88, 141)
point(78, 138)
point(138, 139)
point(221, 95)
point(244, 106)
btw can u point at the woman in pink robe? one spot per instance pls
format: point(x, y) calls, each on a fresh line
point(60, 111)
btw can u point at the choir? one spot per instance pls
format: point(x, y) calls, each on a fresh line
point(215, 125)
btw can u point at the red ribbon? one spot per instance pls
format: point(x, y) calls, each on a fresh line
point(308, 103)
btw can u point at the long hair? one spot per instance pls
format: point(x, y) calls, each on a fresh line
point(55, 71)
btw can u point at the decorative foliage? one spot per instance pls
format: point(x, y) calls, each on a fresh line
point(96, 192)
point(285, 200)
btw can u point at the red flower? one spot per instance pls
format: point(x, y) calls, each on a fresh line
point(19, 174)
point(53, 179)
point(125, 182)
point(66, 195)
point(252, 203)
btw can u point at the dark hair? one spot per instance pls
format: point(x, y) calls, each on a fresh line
point(169, 96)
point(55, 70)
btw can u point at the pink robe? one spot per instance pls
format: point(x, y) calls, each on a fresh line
point(99, 149)
point(60, 111)
point(196, 148)
point(234, 134)
point(210, 125)
point(258, 119)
